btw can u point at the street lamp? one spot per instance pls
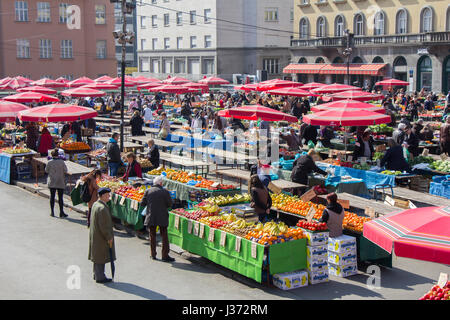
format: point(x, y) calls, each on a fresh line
point(123, 37)
point(348, 52)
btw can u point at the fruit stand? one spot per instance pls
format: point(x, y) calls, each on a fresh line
point(236, 253)
point(7, 156)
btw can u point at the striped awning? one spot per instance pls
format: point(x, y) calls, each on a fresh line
point(421, 234)
point(372, 69)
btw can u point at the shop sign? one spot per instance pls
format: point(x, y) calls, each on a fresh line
point(422, 51)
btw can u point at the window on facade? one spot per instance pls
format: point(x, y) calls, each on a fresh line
point(208, 66)
point(359, 25)
point(21, 10)
point(43, 11)
point(154, 24)
point(166, 43)
point(180, 66)
point(448, 20)
point(321, 27)
point(271, 14)
point(166, 19)
point(379, 24)
point(339, 26)
point(100, 14)
point(192, 17)
point(271, 66)
point(179, 42)
point(66, 49)
point(427, 20)
point(207, 15)
point(154, 43)
point(401, 26)
point(63, 12)
point(208, 42)
point(167, 65)
point(144, 65)
point(143, 44)
point(291, 15)
point(179, 18)
point(304, 32)
point(155, 66)
point(193, 42)
point(45, 48)
point(143, 23)
point(23, 48)
point(101, 49)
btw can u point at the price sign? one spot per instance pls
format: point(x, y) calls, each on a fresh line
point(196, 228)
point(223, 238)
point(425, 152)
point(122, 201)
point(350, 158)
point(363, 160)
point(310, 214)
point(189, 230)
point(211, 235)
point(238, 244)
point(115, 197)
point(370, 212)
point(202, 230)
point(443, 279)
point(253, 249)
point(308, 196)
point(389, 201)
point(443, 156)
point(177, 222)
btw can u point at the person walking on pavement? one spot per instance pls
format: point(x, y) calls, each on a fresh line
point(101, 236)
point(56, 170)
point(158, 201)
point(114, 159)
point(91, 180)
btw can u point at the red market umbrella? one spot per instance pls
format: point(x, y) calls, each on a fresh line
point(37, 89)
point(356, 95)
point(83, 92)
point(27, 97)
point(176, 80)
point(103, 79)
point(347, 105)
point(333, 88)
point(312, 85)
point(391, 83)
point(57, 113)
point(49, 83)
point(294, 92)
point(213, 81)
point(422, 233)
point(149, 85)
point(62, 80)
point(346, 118)
point(100, 86)
point(144, 80)
point(256, 112)
point(203, 87)
point(276, 84)
point(80, 82)
point(118, 82)
point(14, 84)
point(242, 88)
point(172, 89)
point(24, 79)
point(9, 110)
point(5, 80)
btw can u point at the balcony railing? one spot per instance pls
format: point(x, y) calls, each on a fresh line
point(419, 38)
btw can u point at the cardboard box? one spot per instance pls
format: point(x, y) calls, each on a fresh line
point(316, 251)
point(315, 277)
point(342, 271)
point(290, 280)
point(342, 244)
point(342, 259)
point(316, 238)
point(317, 264)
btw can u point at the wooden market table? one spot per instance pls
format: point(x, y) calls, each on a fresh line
point(184, 162)
point(126, 144)
point(245, 175)
point(164, 144)
point(73, 169)
point(5, 163)
point(236, 157)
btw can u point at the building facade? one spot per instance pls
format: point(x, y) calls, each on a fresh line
point(197, 38)
point(40, 39)
point(412, 39)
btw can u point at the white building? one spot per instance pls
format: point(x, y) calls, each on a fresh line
point(194, 38)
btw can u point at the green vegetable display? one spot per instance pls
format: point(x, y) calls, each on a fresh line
point(381, 128)
point(421, 159)
point(441, 165)
point(364, 166)
point(391, 173)
point(378, 156)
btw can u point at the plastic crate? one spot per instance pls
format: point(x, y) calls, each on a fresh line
point(24, 175)
point(173, 194)
point(191, 204)
point(23, 167)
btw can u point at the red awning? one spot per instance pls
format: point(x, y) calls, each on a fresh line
point(372, 69)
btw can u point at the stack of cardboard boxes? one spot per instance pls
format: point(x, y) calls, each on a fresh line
point(342, 259)
point(317, 256)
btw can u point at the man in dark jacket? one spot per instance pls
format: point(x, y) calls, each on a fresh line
point(136, 123)
point(429, 104)
point(303, 166)
point(114, 159)
point(413, 142)
point(310, 133)
point(293, 140)
point(153, 154)
point(364, 146)
point(158, 201)
point(393, 158)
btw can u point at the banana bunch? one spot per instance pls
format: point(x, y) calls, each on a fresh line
point(229, 217)
point(259, 227)
point(271, 228)
point(207, 220)
point(211, 208)
point(282, 227)
point(238, 224)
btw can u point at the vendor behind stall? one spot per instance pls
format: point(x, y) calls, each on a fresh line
point(333, 216)
point(303, 166)
point(133, 168)
point(45, 142)
point(393, 158)
point(293, 140)
point(153, 154)
point(325, 136)
point(261, 200)
point(364, 146)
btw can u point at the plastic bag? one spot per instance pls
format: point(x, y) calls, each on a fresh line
point(311, 144)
